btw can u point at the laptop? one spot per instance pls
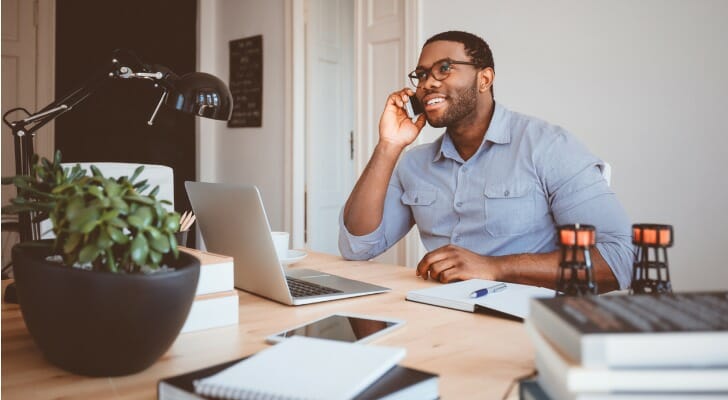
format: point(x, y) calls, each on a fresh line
point(233, 222)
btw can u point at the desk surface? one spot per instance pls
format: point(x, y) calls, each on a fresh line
point(476, 356)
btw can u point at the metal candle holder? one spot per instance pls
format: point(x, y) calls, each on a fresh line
point(650, 273)
point(576, 277)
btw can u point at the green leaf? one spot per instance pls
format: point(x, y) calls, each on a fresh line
point(139, 199)
point(141, 218)
point(117, 235)
point(57, 157)
point(136, 173)
point(95, 171)
point(110, 261)
point(154, 192)
point(171, 222)
point(155, 258)
point(88, 253)
point(112, 188)
point(95, 191)
point(119, 204)
point(159, 242)
point(119, 223)
point(139, 249)
point(104, 241)
point(173, 244)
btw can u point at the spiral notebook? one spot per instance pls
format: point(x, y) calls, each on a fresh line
point(303, 368)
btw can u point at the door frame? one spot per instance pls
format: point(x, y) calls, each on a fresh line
point(295, 118)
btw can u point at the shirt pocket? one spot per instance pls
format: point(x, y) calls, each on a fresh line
point(423, 204)
point(509, 209)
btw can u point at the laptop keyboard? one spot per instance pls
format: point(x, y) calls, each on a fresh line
point(299, 288)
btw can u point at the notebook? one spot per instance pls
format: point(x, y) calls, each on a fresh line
point(512, 303)
point(399, 383)
point(303, 368)
point(233, 221)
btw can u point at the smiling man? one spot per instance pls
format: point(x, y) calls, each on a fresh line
point(488, 194)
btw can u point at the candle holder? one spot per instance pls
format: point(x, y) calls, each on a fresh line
point(650, 273)
point(576, 277)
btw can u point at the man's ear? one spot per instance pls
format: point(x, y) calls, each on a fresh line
point(485, 78)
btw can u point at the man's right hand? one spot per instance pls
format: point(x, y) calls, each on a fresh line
point(395, 127)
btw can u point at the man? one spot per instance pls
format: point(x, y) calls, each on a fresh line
point(488, 194)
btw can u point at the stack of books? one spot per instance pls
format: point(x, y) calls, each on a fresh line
point(672, 346)
point(216, 300)
point(307, 368)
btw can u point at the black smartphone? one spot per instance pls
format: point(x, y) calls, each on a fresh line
point(413, 107)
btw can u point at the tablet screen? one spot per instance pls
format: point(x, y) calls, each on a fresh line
point(340, 327)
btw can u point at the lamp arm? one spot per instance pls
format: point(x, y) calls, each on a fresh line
point(24, 129)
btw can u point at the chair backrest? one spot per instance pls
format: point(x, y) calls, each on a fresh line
point(156, 175)
point(607, 173)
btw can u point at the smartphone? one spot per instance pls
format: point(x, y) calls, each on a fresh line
point(413, 107)
point(343, 327)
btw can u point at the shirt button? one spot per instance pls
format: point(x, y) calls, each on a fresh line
point(417, 199)
point(456, 238)
point(506, 193)
point(465, 169)
point(459, 204)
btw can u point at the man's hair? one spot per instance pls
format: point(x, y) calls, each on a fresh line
point(475, 46)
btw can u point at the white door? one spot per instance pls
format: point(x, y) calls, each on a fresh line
point(329, 118)
point(386, 50)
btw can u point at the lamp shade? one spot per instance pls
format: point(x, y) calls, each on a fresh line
point(200, 94)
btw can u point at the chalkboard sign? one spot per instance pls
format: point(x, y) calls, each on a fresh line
point(246, 81)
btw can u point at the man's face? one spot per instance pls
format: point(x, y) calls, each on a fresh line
point(450, 100)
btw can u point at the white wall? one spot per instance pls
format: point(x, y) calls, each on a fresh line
point(245, 155)
point(643, 84)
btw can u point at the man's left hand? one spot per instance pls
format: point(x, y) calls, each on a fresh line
point(452, 263)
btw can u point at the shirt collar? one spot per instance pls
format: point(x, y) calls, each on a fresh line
point(497, 133)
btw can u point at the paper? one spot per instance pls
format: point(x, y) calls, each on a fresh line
point(514, 300)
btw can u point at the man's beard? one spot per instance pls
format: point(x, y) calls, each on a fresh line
point(462, 104)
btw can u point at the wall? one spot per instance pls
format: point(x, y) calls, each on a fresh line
point(643, 84)
point(245, 155)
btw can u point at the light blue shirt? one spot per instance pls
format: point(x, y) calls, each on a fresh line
point(527, 177)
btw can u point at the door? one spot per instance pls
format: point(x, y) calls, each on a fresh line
point(329, 119)
point(386, 50)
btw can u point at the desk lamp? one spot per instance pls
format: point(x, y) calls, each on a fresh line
point(195, 93)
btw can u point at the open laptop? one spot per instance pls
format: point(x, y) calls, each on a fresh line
point(233, 222)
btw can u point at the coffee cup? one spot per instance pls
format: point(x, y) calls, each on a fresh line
point(280, 241)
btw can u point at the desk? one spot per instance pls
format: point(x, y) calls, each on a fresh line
point(476, 356)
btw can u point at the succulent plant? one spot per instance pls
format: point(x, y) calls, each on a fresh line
point(98, 221)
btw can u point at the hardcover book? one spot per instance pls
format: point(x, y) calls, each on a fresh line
point(670, 330)
point(565, 378)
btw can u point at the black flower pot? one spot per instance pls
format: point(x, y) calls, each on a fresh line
point(101, 323)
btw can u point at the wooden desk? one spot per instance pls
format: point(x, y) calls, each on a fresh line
point(476, 356)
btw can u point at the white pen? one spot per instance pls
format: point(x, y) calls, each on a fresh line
point(493, 289)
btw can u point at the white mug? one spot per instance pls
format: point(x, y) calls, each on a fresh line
point(280, 241)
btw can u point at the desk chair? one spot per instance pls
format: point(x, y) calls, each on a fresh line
point(156, 175)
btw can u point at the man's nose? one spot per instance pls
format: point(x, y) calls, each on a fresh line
point(431, 82)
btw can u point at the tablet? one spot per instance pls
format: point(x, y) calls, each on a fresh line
point(342, 326)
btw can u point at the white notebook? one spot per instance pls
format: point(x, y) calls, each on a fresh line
point(514, 300)
point(303, 368)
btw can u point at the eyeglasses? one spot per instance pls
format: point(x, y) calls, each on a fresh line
point(439, 70)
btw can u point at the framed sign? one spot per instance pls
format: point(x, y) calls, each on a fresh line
point(246, 82)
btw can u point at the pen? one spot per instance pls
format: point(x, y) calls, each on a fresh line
point(493, 289)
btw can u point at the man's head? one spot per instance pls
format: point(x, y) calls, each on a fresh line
point(454, 77)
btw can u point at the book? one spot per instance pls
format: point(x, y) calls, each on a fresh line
point(531, 389)
point(399, 383)
point(213, 311)
point(510, 303)
point(670, 330)
point(565, 377)
point(216, 271)
point(303, 368)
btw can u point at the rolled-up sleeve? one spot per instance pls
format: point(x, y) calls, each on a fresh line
point(578, 193)
point(396, 222)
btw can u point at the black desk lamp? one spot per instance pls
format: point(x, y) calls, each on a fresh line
point(195, 93)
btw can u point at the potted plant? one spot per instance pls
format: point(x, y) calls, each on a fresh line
point(109, 295)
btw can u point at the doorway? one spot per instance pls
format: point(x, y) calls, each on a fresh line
point(329, 143)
